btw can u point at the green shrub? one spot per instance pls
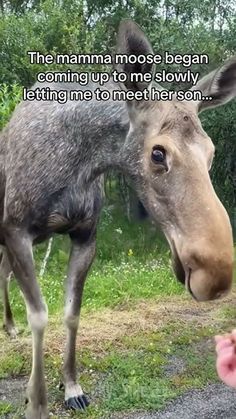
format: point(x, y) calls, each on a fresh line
point(220, 124)
point(9, 97)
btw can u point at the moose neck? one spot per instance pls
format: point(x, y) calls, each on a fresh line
point(102, 130)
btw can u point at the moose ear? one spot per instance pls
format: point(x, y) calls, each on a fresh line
point(219, 85)
point(132, 40)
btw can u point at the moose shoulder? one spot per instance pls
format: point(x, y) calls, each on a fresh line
point(52, 160)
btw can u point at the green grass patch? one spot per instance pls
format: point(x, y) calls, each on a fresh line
point(13, 363)
point(130, 373)
point(133, 376)
point(5, 408)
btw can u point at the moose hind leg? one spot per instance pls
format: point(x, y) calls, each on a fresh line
point(19, 246)
point(5, 276)
point(81, 258)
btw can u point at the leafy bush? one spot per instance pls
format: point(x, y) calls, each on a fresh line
point(53, 29)
point(220, 124)
point(9, 97)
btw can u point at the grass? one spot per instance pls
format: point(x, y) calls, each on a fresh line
point(5, 408)
point(129, 372)
point(137, 324)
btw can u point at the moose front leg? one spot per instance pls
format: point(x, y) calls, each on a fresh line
point(81, 258)
point(5, 276)
point(19, 246)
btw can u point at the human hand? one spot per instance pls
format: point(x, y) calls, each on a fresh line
point(226, 358)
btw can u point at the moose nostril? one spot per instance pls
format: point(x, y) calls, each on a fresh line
point(204, 286)
point(188, 284)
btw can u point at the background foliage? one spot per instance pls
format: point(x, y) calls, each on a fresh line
point(76, 26)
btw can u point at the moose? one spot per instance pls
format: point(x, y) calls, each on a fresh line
point(52, 162)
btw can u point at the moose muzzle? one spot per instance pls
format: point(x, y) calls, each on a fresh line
point(204, 261)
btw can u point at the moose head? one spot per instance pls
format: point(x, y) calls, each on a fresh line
point(168, 155)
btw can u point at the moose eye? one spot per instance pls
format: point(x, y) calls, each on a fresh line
point(158, 154)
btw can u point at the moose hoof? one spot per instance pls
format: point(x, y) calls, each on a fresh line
point(11, 330)
point(77, 403)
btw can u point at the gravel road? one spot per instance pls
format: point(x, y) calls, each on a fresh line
point(215, 401)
